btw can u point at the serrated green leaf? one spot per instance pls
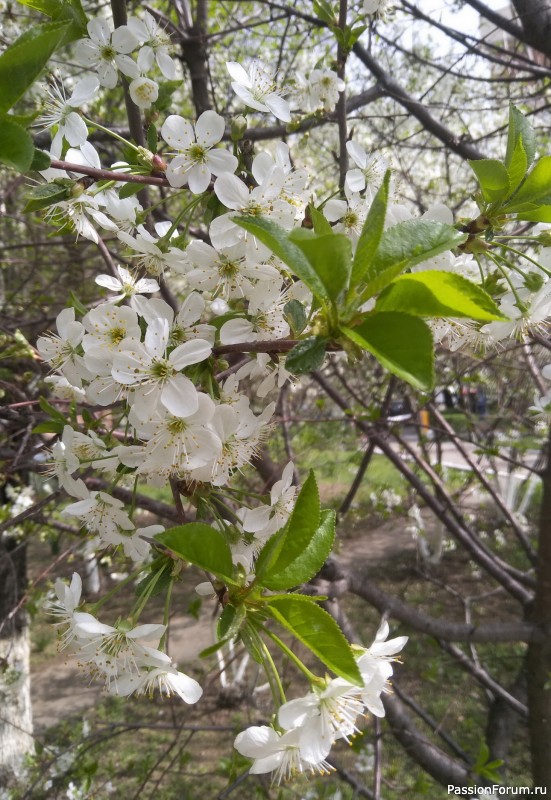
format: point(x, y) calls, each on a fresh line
point(536, 189)
point(209, 651)
point(16, 145)
point(303, 556)
point(331, 257)
point(304, 517)
point(318, 631)
point(371, 234)
point(320, 223)
point(519, 130)
point(130, 189)
point(51, 411)
point(41, 160)
point(277, 239)
point(295, 315)
point(492, 177)
point(152, 138)
point(518, 167)
point(49, 427)
point(402, 343)
point(24, 60)
point(230, 621)
point(69, 11)
point(44, 195)
point(438, 294)
point(200, 545)
point(404, 245)
point(306, 356)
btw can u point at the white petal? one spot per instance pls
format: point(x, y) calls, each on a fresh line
point(198, 178)
point(156, 337)
point(355, 180)
point(83, 91)
point(99, 31)
point(357, 154)
point(166, 64)
point(180, 397)
point(191, 352)
point(279, 107)
point(257, 741)
point(123, 40)
point(238, 73)
point(219, 161)
point(145, 59)
point(127, 66)
point(209, 128)
point(188, 688)
point(177, 132)
point(231, 191)
point(75, 129)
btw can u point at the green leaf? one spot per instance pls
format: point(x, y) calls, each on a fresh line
point(22, 63)
point(518, 167)
point(438, 294)
point(16, 145)
point(295, 315)
point(305, 517)
point(520, 131)
point(44, 195)
point(209, 651)
point(320, 223)
point(230, 621)
point(303, 556)
point(402, 343)
point(130, 189)
point(318, 631)
point(306, 356)
point(51, 411)
point(41, 160)
point(371, 234)
point(331, 257)
point(69, 11)
point(539, 214)
point(48, 427)
point(493, 178)
point(200, 545)
point(152, 140)
point(277, 239)
point(404, 245)
point(536, 189)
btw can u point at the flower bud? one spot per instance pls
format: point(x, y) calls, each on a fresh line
point(238, 126)
point(533, 281)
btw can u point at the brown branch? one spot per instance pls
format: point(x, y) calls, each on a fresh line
point(108, 175)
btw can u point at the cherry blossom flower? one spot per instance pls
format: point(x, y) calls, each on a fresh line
point(149, 255)
point(143, 91)
point(200, 158)
point(369, 171)
point(63, 351)
point(276, 752)
point(178, 444)
point(322, 717)
point(127, 285)
point(156, 375)
point(228, 272)
point(60, 110)
point(107, 51)
point(265, 520)
point(185, 325)
point(263, 200)
point(167, 681)
point(101, 514)
point(155, 44)
point(257, 88)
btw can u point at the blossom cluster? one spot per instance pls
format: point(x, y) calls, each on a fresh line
point(124, 655)
point(307, 727)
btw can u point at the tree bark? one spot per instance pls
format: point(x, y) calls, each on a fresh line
point(16, 728)
point(539, 653)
